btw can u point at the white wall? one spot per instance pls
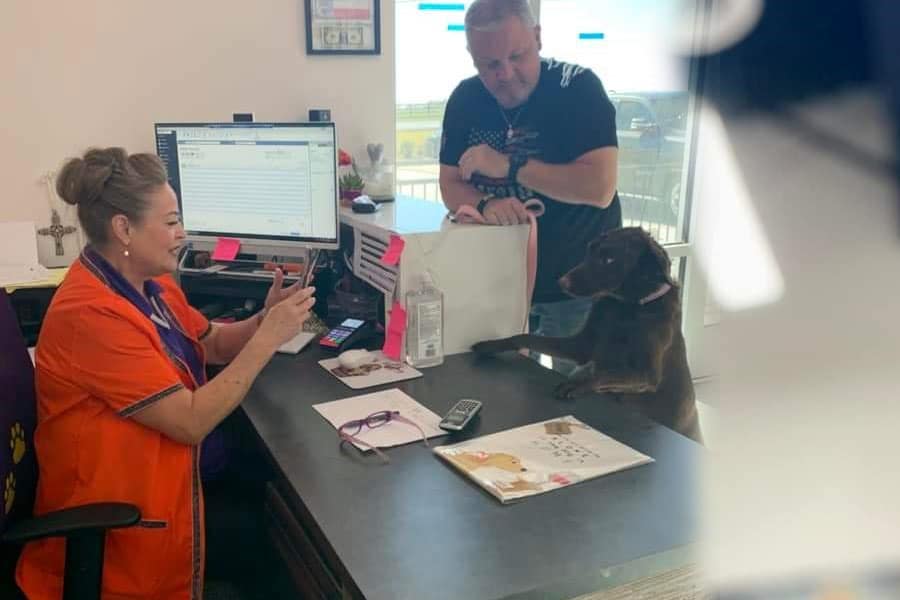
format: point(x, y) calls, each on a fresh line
point(101, 72)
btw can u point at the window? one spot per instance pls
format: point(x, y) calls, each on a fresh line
point(431, 60)
point(632, 115)
point(625, 43)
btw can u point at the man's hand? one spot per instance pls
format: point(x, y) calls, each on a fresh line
point(485, 160)
point(505, 211)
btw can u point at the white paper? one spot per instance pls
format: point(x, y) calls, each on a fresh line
point(387, 371)
point(19, 259)
point(394, 433)
point(19, 243)
point(12, 275)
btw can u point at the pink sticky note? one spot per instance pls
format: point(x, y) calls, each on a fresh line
point(226, 249)
point(393, 335)
point(394, 250)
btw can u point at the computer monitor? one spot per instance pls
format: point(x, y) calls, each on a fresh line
point(273, 186)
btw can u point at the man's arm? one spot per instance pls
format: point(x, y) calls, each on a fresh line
point(589, 179)
point(498, 211)
point(589, 135)
point(456, 192)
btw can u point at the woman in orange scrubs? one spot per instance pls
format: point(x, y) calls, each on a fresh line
point(123, 400)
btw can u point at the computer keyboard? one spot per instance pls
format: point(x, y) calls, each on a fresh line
point(297, 343)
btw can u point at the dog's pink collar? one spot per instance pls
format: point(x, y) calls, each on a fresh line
point(659, 293)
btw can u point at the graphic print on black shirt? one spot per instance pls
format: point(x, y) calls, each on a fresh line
point(567, 115)
point(524, 140)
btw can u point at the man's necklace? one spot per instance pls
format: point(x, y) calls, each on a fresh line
point(510, 124)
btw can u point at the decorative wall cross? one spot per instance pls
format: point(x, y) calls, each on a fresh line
point(57, 231)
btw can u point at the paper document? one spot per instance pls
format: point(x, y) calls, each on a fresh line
point(393, 433)
point(53, 279)
point(19, 259)
point(19, 243)
point(14, 276)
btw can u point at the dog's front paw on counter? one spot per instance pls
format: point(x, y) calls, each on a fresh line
point(489, 347)
point(569, 389)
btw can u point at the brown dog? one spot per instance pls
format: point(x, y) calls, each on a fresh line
point(632, 337)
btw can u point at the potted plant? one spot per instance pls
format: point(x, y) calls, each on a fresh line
point(350, 182)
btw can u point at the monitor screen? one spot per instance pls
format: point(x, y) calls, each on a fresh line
point(271, 185)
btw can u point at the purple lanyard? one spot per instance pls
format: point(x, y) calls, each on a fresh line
point(177, 343)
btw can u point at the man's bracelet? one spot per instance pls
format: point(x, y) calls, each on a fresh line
point(483, 203)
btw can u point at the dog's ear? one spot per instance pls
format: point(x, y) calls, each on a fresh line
point(631, 243)
point(655, 250)
point(651, 267)
point(644, 252)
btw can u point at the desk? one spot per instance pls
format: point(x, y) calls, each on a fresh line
point(416, 529)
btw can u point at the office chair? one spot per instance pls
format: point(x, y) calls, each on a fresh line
point(83, 527)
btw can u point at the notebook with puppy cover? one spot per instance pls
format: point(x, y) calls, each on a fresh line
point(540, 457)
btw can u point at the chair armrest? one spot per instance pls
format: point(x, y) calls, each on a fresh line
point(78, 519)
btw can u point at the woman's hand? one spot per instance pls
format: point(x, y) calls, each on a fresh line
point(277, 293)
point(285, 318)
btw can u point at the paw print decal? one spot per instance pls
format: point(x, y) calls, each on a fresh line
point(9, 492)
point(17, 442)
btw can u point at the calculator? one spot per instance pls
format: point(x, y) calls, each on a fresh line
point(344, 335)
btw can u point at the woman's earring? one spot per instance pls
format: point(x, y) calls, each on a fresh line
point(125, 252)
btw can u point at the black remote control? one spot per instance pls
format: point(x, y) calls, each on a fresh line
point(460, 415)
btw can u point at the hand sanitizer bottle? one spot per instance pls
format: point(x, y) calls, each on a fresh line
point(425, 329)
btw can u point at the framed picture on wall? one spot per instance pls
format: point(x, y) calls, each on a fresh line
point(343, 27)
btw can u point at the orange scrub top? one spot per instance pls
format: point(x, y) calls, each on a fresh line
point(99, 361)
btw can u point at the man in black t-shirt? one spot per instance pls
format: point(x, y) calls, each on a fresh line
point(529, 127)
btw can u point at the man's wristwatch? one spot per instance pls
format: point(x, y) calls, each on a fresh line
point(516, 162)
point(483, 203)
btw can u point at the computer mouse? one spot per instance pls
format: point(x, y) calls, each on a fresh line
point(363, 204)
point(351, 359)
